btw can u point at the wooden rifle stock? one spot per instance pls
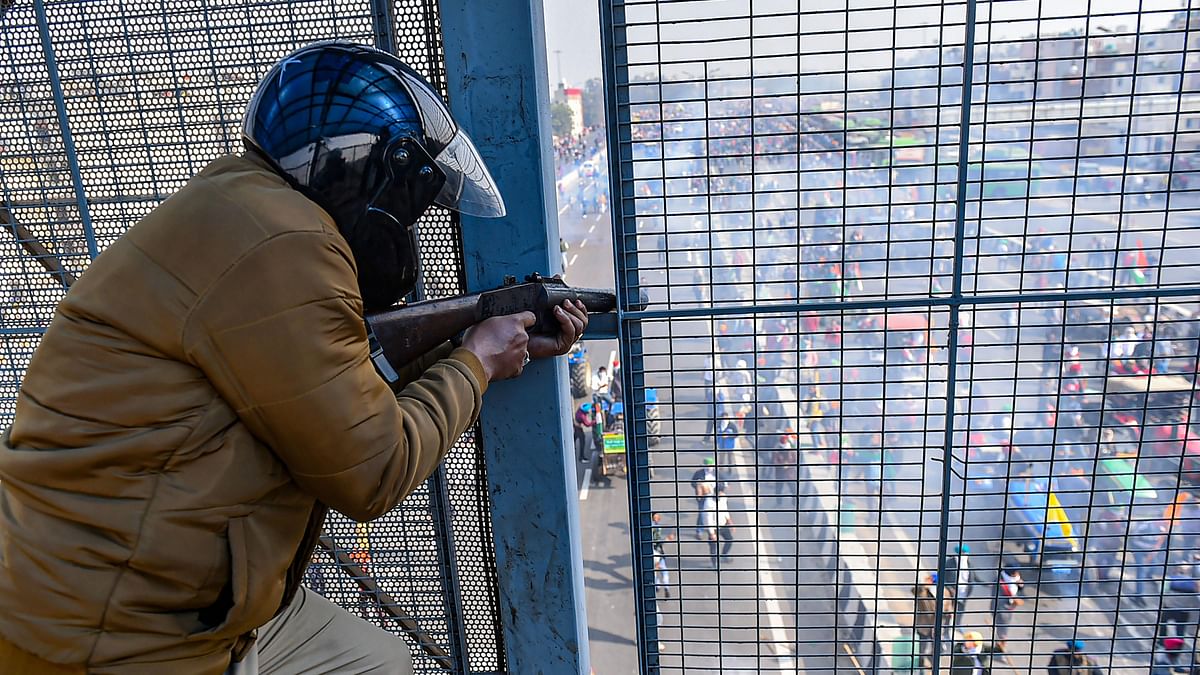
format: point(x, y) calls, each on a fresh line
point(402, 334)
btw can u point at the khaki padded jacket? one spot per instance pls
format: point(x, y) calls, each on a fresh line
point(201, 390)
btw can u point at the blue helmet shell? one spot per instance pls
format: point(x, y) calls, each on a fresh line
point(366, 138)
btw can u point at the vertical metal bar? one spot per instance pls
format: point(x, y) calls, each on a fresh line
point(956, 300)
point(64, 126)
point(383, 24)
point(439, 497)
point(498, 90)
point(616, 78)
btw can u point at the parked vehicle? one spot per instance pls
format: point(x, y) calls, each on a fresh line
point(613, 448)
point(1038, 532)
point(580, 372)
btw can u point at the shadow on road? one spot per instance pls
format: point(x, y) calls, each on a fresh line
point(597, 635)
point(613, 568)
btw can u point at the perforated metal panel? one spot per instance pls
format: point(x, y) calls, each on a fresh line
point(900, 323)
point(140, 97)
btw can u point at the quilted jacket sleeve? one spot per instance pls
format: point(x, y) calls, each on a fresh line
point(288, 351)
point(409, 372)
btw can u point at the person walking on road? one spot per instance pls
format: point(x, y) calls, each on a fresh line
point(727, 435)
point(720, 527)
point(1148, 543)
point(704, 484)
point(585, 419)
point(785, 467)
point(717, 411)
point(708, 518)
point(741, 380)
point(1070, 660)
point(45, 143)
point(662, 573)
point(958, 572)
point(1177, 616)
point(925, 616)
point(1005, 600)
point(973, 656)
point(1170, 658)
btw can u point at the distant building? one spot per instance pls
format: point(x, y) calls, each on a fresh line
point(573, 97)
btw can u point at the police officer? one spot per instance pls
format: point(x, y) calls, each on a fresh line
point(205, 390)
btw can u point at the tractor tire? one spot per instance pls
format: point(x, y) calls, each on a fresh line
point(581, 387)
point(653, 426)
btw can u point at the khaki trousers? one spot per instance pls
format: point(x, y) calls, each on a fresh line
point(315, 636)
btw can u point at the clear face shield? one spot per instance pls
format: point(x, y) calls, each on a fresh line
point(469, 186)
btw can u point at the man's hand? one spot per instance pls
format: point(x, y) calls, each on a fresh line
point(502, 344)
point(572, 320)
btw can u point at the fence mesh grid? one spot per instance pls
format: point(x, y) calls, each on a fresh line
point(905, 348)
point(151, 92)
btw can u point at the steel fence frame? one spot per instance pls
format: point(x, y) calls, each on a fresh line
point(634, 316)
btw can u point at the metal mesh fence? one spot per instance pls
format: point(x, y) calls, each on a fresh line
point(925, 367)
point(115, 104)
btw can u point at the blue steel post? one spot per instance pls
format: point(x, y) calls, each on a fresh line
point(498, 91)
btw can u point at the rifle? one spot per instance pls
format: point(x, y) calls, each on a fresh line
point(402, 334)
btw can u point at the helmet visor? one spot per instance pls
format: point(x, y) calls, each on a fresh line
point(469, 187)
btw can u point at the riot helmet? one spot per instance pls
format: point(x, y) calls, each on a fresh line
point(372, 143)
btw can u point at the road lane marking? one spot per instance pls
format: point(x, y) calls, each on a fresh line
point(592, 228)
point(583, 243)
point(571, 263)
point(767, 583)
point(564, 209)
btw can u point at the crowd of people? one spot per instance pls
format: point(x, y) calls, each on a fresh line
point(969, 652)
point(581, 154)
point(740, 230)
point(571, 151)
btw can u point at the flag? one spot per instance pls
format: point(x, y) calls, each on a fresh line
point(1055, 513)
